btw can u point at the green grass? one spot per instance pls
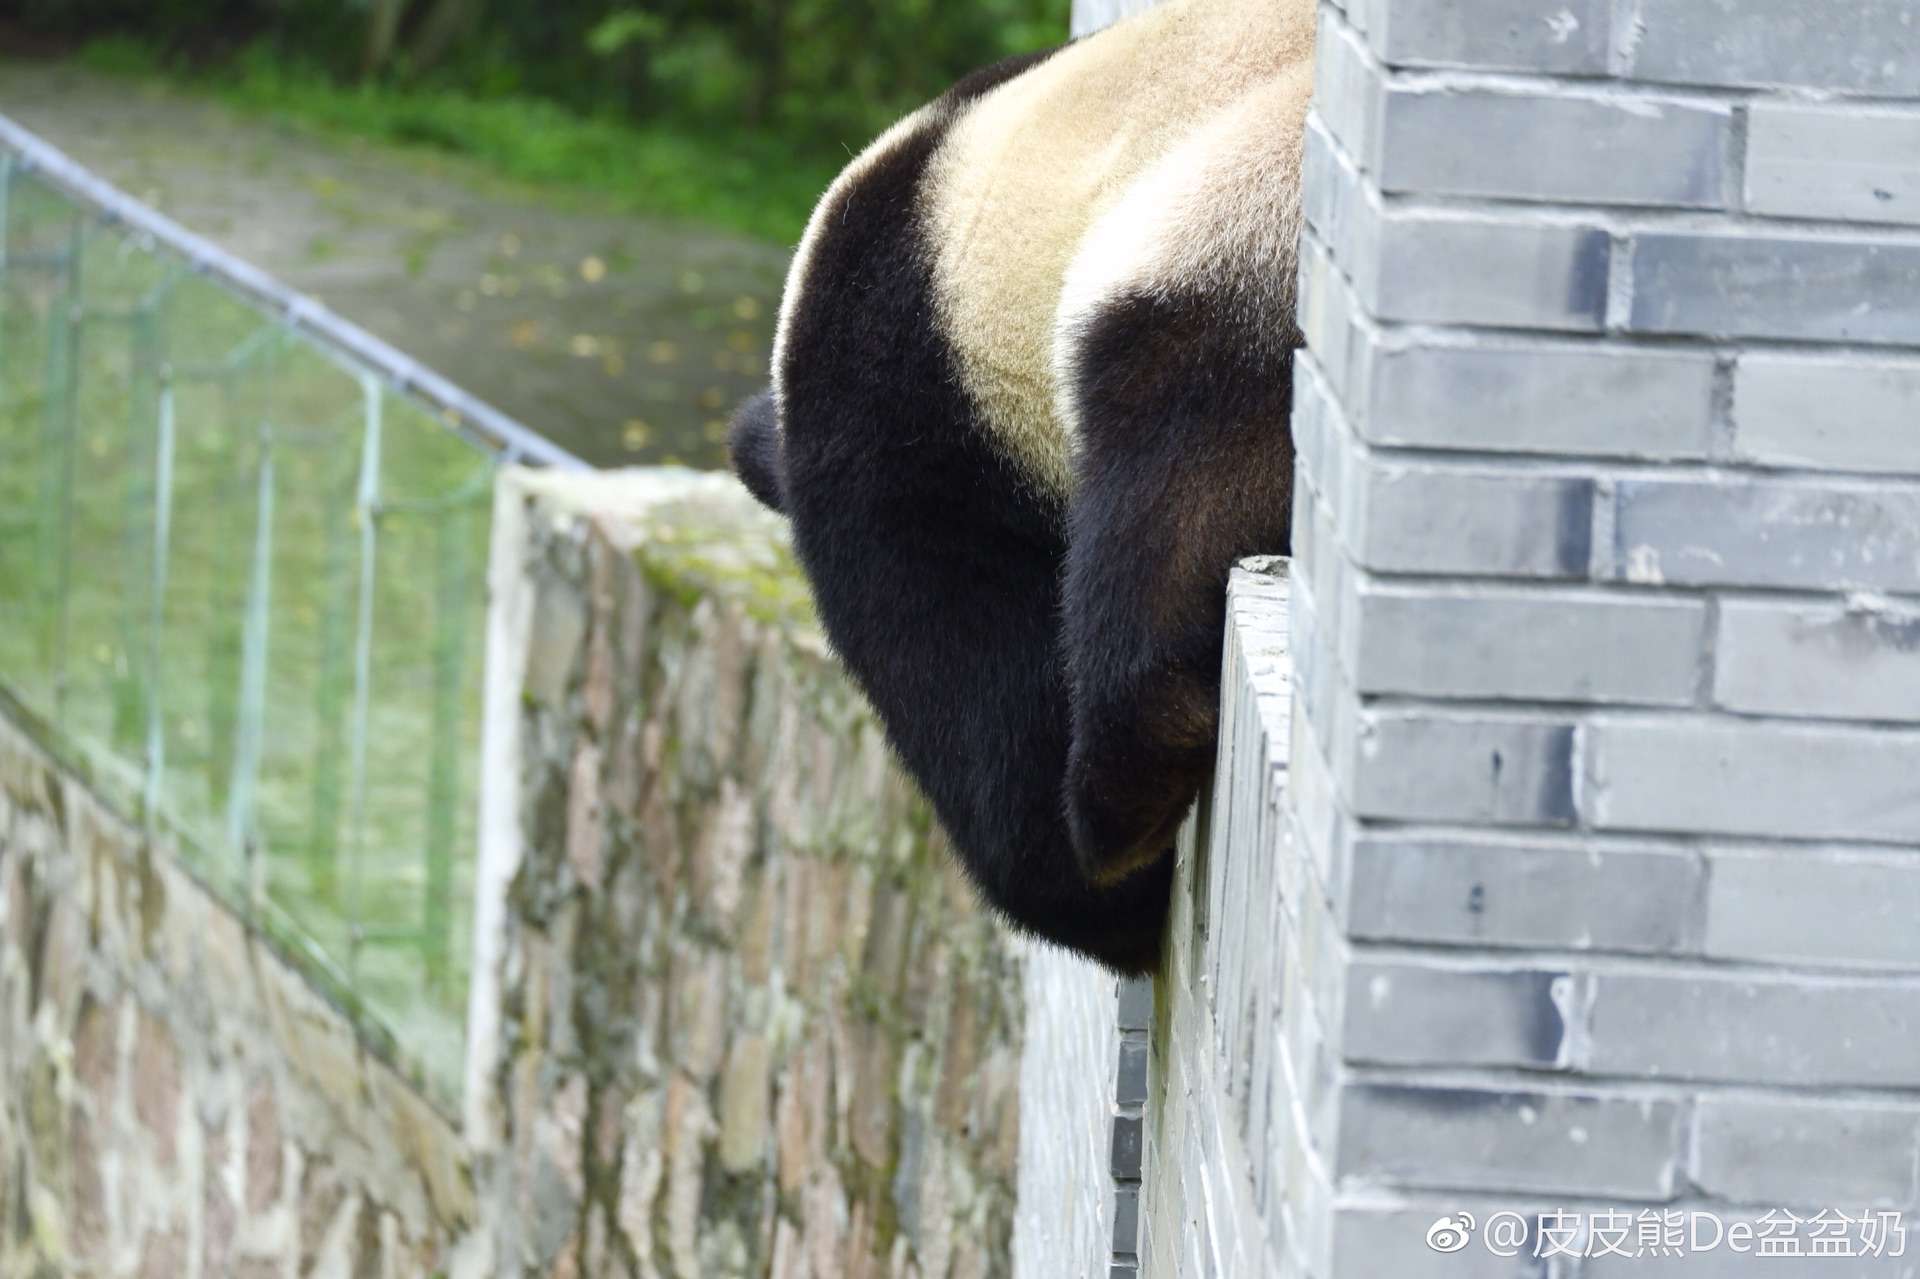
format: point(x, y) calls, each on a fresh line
point(760, 183)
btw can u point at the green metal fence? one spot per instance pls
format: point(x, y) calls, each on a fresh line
point(242, 587)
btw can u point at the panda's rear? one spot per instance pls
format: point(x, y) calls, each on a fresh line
point(947, 484)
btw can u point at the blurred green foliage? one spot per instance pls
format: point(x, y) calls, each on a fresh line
point(811, 79)
point(752, 180)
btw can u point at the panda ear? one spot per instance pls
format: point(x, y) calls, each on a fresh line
point(753, 442)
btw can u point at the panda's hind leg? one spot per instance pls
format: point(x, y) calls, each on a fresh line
point(1174, 363)
point(1184, 472)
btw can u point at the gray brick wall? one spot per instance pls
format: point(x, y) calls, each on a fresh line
point(1082, 1083)
point(1577, 878)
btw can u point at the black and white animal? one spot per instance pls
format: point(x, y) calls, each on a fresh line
point(1030, 394)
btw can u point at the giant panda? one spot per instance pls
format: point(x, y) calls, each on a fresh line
point(1031, 383)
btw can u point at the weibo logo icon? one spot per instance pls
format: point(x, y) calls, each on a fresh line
point(1450, 1234)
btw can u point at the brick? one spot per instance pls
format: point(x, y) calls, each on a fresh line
point(1316, 668)
point(1771, 1151)
point(96, 1050)
point(219, 1216)
point(586, 815)
point(1423, 766)
point(1548, 147)
point(1130, 1087)
point(1483, 893)
point(1416, 1013)
point(1136, 1003)
point(1128, 1141)
point(1126, 1218)
point(1397, 516)
point(1854, 660)
point(559, 630)
point(1829, 289)
point(1607, 401)
point(1318, 817)
point(1860, 46)
point(164, 1253)
point(156, 1085)
point(1842, 414)
point(1808, 161)
point(1813, 906)
point(1518, 1141)
point(745, 1105)
point(1459, 268)
point(1518, 35)
point(89, 1235)
point(1348, 93)
point(1328, 317)
point(1763, 532)
point(322, 1192)
point(1752, 778)
point(1340, 206)
point(264, 1148)
point(1776, 1029)
point(1431, 266)
point(1512, 645)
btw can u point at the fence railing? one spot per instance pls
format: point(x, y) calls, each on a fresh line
point(242, 586)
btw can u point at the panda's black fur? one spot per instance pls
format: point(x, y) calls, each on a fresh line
point(1044, 656)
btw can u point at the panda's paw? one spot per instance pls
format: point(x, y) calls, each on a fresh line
point(1115, 840)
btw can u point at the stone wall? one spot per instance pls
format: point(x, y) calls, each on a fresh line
point(174, 1100)
point(1082, 1082)
point(749, 1019)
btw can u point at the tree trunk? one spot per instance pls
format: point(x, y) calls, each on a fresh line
point(773, 62)
point(383, 31)
point(445, 23)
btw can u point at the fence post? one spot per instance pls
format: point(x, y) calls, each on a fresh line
point(58, 460)
point(131, 695)
point(256, 634)
point(367, 509)
point(330, 698)
point(6, 204)
point(156, 755)
point(443, 785)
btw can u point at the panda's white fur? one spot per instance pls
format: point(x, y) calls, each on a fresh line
point(1030, 399)
point(1221, 208)
point(1128, 158)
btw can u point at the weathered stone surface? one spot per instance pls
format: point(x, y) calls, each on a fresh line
point(754, 1020)
point(186, 1104)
